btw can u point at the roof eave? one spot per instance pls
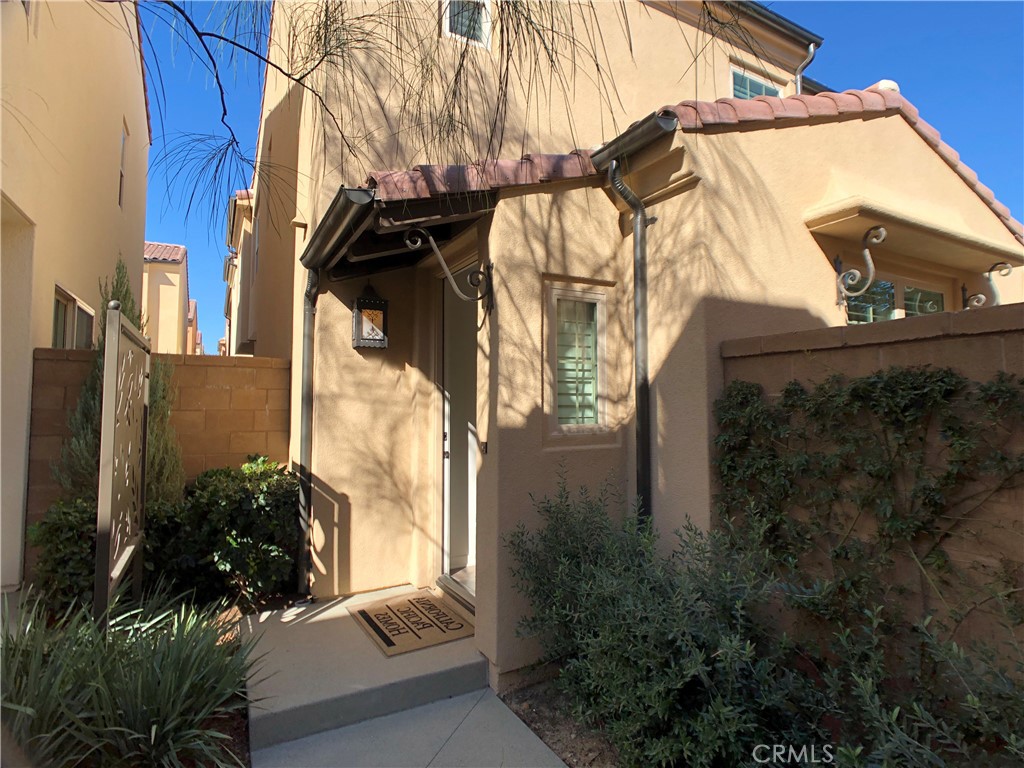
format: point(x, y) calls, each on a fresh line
point(777, 22)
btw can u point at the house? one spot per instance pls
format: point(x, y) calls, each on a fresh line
point(193, 336)
point(607, 279)
point(242, 303)
point(168, 312)
point(74, 198)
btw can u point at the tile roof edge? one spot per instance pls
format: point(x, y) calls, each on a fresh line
point(695, 116)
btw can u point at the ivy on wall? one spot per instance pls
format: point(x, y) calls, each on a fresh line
point(870, 490)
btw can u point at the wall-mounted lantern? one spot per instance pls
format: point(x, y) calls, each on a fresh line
point(370, 320)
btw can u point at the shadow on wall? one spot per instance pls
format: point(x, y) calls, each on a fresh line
point(330, 534)
point(370, 412)
point(685, 388)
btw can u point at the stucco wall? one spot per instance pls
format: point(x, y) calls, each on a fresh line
point(650, 54)
point(61, 157)
point(225, 409)
point(165, 307)
point(567, 235)
point(731, 255)
point(979, 343)
point(373, 503)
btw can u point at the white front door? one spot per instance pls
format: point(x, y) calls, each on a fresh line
point(460, 443)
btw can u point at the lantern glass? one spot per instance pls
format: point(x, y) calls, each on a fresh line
point(370, 320)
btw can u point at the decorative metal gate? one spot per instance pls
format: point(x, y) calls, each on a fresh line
point(122, 487)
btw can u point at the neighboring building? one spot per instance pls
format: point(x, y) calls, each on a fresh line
point(75, 150)
point(240, 267)
point(423, 441)
point(193, 336)
point(167, 311)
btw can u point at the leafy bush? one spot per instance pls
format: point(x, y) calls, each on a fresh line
point(665, 653)
point(865, 490)
point(152, 690)
point(771, 629)
point(237, 535)
point(66, 538)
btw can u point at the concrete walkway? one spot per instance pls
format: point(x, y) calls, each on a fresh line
point(324, 695)
point(475, 729)
point(319, 671)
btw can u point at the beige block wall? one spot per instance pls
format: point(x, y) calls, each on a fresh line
point(61, 147)
point(225, 409)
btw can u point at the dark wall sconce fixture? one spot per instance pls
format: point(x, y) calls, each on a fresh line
point(370, 320)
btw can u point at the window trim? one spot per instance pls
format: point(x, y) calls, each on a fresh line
point(763, 79)
point(446, 30)
point(73, 305)
point(586, 292)
point(900, 283)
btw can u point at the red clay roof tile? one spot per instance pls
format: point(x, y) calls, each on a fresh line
point(431, 180)
point(165, 253)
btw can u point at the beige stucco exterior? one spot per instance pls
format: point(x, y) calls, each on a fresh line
point(748, 225)
point(165, 306)
point(63, 225)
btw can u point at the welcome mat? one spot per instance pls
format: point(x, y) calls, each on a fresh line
point(411, 622)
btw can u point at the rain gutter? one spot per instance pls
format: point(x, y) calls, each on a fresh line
point(611, 158)
point(347, 217)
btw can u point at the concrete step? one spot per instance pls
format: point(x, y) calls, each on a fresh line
point(318, 671)
point(475, 729)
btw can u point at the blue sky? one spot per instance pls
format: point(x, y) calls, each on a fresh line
point(960, 63)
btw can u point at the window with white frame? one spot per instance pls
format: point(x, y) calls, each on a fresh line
point(467, 19)
point(892, 297)
point(576, 373)
point(747, 86)
point(72, 322)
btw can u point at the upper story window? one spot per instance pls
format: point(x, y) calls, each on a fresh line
point(892, 297)
point(747, 86)
point(468, 19)
point(72, 322)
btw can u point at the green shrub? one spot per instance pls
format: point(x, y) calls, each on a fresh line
point(825, 606)
point(152, 690)
point(667, 654)
point(77, 470)
point(66, 538)
point(237, 536)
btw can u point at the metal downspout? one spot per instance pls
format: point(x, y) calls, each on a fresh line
point(306, 429)
point(803, 65)
point(643, 385)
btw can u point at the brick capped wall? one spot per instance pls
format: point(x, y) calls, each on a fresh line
point(225, 408)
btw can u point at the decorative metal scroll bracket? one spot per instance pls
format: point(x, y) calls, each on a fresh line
point(482, 280)
point(851, 277)
point(976, 300)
